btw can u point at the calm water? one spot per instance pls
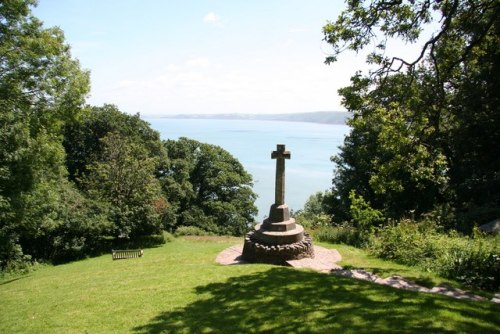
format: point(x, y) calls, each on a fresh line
point(311, 145)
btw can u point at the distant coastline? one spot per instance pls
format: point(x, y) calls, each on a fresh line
point(324, 117)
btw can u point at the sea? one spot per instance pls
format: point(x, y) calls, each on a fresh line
point(311, 145)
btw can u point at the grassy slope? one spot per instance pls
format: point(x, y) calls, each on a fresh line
point(178, 288)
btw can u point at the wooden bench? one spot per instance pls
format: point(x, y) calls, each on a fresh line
point(119, 254)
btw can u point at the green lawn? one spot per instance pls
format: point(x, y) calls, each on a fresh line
point(178, 288)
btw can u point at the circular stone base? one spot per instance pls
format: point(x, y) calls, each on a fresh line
point(270, 237)
point(255, 251)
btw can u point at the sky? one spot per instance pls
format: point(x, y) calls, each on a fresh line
point(165, 57)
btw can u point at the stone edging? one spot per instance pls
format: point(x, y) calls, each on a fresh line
point(399, 282)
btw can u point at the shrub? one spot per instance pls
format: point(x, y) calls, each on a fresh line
point(168, 237)
point(344, 234)
point(407, 243)
point(12, 260)
point(312, 221)
point(59, 224)
point(363, 215)
point(191, 230)
point(143, 241)
point(474, 261)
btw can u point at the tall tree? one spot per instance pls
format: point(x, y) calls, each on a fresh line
point(124, 177)
point(424, 130)
point(83, 137)
point(208, 188)
point(41, 88)
point(116, 158)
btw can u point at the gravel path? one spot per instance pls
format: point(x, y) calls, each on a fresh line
point(325, 261)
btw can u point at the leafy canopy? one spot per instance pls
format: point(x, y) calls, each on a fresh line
point(423, 130)
point(208, 188)
point(41, 88)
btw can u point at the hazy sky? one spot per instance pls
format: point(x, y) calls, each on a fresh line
point(204, 56)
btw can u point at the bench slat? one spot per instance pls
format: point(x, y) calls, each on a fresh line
point(119, 254)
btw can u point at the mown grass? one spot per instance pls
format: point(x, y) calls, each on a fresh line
point(177, 288)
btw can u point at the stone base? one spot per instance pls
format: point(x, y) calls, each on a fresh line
point(279, 213)
point(255, 250)
point(275, 237)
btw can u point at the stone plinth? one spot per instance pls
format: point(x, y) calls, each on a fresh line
point(278, 239)
point(282, 237)
point(278, 213)
point(277, 242)
point(254, 250)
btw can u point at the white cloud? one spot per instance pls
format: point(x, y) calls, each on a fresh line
point(197, 85)
point(198, 62)
point(212, 18)
point(171, 68)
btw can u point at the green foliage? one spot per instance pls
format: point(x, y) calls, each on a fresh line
point(60, 224)
point(314, 215)
point(41, 89)
point(315, 219)
point(389, 157)
point(191, 230)
point(317, 203)
point(117, 158)
point(38, 77)
point(363, 215)
point(312, 222)
point(13, 260)
point(208, 188)
point(407, 243)
point(124, 178)
point(472, 261)
point(168, 237)
point(343, 233)
point(83, 138)
point(422, 130)
point(143, 241)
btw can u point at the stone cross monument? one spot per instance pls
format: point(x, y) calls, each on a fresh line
point(278, 239)
point(280, 155)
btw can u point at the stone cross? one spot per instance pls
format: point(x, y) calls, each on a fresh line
point(280, 155)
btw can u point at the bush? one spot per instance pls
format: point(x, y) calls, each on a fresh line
point(191, 230)
point(59, 224)
point(143, 241)
point(343, 234)
point(363, 215)
point(12, 259)
point(312, 221)
point(474, 261)
point(406, 243)
point(196, 218)
point(168, 237)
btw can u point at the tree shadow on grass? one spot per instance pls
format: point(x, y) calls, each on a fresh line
point(13, 279)
point(284, 300)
